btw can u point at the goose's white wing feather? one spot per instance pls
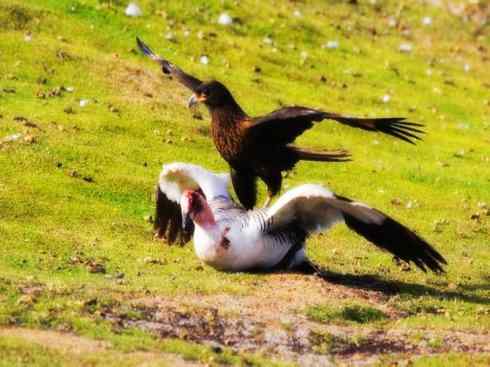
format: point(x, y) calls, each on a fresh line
point(178, 177)
point(174, 179)
point(308, 206)
point(313, 208)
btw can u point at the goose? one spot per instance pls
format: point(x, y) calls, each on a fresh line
point(192, 202)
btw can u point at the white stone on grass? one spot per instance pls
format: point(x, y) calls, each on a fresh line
point(267, 40)
point(426, 20)
point(225, 19)
point(406, 48)
point(11, 138)
point(133, 10)
point(204, 60)
point(331, 45)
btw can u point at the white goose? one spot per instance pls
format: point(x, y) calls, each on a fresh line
point(194, 202)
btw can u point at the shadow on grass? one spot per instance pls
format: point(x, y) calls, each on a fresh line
point(390, 287)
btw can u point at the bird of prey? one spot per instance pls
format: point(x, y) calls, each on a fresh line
point(261, 147)
point(193, 202)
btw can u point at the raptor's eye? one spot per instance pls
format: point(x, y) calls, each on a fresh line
point(205, 92)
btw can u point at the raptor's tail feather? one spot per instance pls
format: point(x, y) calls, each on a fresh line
point(321, 156)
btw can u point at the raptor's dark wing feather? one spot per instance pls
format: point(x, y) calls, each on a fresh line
point(168, 68)
point(283, 126)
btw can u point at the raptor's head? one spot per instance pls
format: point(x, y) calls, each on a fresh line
point(213, 94)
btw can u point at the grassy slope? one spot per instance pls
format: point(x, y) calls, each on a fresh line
point(52, 224)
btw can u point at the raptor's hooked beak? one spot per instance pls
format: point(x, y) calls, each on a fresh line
point(195, 99)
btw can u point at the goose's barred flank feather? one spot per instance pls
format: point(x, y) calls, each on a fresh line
point(260, 147)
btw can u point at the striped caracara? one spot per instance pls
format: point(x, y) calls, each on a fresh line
point(261, 147)
point(194, 202)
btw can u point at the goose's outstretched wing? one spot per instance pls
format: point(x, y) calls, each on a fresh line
point(168, 68)
point(176, 178)
point(286, 124)
point(313, 208)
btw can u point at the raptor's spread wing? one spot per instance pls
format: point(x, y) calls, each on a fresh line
point(284, 125)
point(168, 68)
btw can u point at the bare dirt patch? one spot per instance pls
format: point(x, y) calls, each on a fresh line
point(76, 345)
point(270, 320)
point(143, 85)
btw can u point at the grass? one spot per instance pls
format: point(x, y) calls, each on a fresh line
point(350, 313)
point(76, 188)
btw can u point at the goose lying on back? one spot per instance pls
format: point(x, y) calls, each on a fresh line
point(194, 202)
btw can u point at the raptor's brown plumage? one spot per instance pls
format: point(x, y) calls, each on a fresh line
point(261, 147)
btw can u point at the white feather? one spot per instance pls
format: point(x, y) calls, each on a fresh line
point(176, 177)
point(310, 204)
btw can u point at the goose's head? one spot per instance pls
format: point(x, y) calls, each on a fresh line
point(195, 209)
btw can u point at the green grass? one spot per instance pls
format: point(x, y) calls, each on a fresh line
point(76, 189)
point(350, 313)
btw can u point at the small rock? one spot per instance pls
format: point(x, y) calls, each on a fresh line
point(439, 224)
point(405, 47)
point(427, 21)
point(30, 139)
point(332, 45)
point(386, 98)
point(169, 36)
point(28, 37)
point(69, 89)
point(11, 138)
point(392, 22)
point(267, 40)
point(149, 260)
point(113, 109)
point(460, 154)
point(476, 216)
point(204, 60)
point(133, 10)
point(96, 268)
point(225, 19)
point(482, 205)
point(74, 174)
point(216, 347)
point(297, 13)
point(84, 102)
point(396, 201)
point(467, 67)
point(26, 299)
point(412, 204)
